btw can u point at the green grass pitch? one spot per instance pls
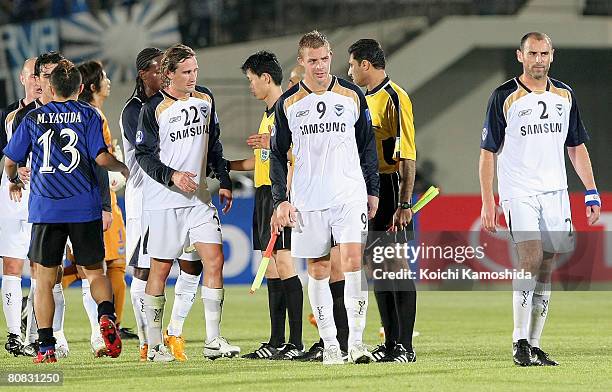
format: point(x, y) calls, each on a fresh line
point(464, 345)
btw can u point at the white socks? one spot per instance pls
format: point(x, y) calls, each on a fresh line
point(32, 327)
point(213, 306)
point(154, 310)
point(356, 303)
point(137, 292)
point(91, 308)
point(184, 295)
point(539, 311)
point(11, 303)
point(322, 305)
point(522, 295)
point(60, 307)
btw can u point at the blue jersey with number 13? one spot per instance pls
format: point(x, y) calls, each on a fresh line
point(65, 138)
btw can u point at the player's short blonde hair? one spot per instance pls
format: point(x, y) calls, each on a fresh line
point(312, 40)
point(171, 58)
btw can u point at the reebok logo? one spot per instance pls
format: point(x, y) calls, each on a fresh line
point(525, 112)
point(302, 113)
point(9, 299)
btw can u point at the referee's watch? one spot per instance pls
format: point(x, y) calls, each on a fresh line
point(404, 205)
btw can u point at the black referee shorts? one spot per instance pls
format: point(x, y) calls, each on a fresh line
point(48, 243)
point(387, 204)
point(264, 207)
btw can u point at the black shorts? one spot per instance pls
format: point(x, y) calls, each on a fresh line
point(49, 242)
point(387, 204)
point(264, 207)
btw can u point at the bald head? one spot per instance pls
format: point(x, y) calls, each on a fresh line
point(28, 66)
point(30, 81)
point(297, 74)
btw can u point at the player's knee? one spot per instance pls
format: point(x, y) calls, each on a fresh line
point(272, 272)
point(351, 262)
point(159, 270)
point(141, 273)
point(191, 267)
point(117, 265)
point(319, 270)
point(214, 263)
point(12, 267)
point(284, 264)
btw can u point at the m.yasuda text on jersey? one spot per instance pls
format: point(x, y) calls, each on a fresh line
point(528, 130)
point(393, 123)
point(65, 138)
point(333, 147)
point(179, 134)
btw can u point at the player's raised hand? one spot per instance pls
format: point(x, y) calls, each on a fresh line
point(372, 206)
point(24, 174)
point(488, 217)
point(259, 141)
point(592, 214)
point(184, 182)
point(286, 215)
point(226, 198)
point(107, 220)
point(15, 192)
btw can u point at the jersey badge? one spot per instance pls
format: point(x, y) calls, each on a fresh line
point(339, 109)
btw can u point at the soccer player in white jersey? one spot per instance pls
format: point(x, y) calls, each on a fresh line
point(14, 227)
point(529, 121)
point(177, 139)
point(327, 121)
point(148, 83)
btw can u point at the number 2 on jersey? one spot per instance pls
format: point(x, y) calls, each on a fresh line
point(75, 157)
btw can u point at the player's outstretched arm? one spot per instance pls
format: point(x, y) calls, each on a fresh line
point(579, 156)
point(259, 140)
point(486, 173)
point(242, 164)
point(108, 161)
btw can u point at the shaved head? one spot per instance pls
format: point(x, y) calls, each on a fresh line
point(28, 66)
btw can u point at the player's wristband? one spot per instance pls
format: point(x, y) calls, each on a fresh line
point(16, 179)
point(591, 198)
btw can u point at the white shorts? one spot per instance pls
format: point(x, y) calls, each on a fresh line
point(134, 251)
point(166, 233)
point(546, 217)
point(15, 238)
point(311, 236)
